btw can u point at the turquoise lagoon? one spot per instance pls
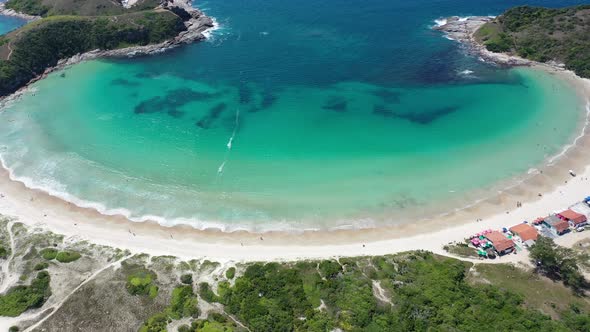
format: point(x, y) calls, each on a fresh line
point(291, 117)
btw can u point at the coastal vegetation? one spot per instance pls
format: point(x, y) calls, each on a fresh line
point(72, 7)
point(141, 282)
point(41, 44)
point(183, 304)
point(412, 291)
point(542, 34)
point(560, 263)
point(21, 298)
point(416, 291)
point(461, 249)
point(61, 256)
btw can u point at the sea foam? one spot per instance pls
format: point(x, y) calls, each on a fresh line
point(440, 22)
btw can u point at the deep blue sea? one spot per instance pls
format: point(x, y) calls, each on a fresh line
point(280, 43)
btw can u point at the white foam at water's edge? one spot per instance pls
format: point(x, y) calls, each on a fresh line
point(209, 32)
point(582, 133)
point(440, 22)
point(166, 222)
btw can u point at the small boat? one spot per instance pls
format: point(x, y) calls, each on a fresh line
point(572, 173)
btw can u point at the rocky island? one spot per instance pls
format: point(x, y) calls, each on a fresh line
point(97, 28)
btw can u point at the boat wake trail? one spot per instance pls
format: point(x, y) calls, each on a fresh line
point(236, 124)
point(230, 143)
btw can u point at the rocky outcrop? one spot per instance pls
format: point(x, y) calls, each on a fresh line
point(196, 25)
point(462, 30)
point(195, 21)
point(10, 12)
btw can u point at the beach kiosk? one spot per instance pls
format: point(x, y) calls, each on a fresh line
point(501, 243)
point(574, 218)
point(525, 232)
point(556, 225)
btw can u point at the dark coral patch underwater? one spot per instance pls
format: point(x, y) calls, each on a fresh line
point(172, 101)
point(422, 118)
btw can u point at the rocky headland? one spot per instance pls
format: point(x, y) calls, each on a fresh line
point(196, 24)
point(463, 29)
point(527, 35)
point(11, 12)
point(180, 21)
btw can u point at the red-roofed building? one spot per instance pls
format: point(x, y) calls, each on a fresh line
point(557, 225)
point(501, 243)
point(525, 232)
point(574, 219)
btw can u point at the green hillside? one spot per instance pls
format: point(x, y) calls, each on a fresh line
point(41, 44)
point(70, 27)
point(77, 7)
point(542, 34)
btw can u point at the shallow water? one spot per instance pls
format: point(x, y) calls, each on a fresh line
point(299, 115)
point(9, 23)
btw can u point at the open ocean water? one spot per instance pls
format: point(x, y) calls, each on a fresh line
point(292, 115)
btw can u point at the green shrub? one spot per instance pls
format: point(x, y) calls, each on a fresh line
point(215, 316)
point(184, 328)
point(41, 266)
point(141, 283)
point(183, 303)
point(153, 291)
point(13, 329)
point(330, 268)
point(3, 252)
point(48, 253)
point(230, 273)
point(156, 323)
point(207, 293)
point(186, 279)
point(67, 256)
point(21, 298)
point(223, 291)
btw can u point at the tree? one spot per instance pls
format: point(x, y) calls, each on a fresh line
point(544, 256)
point(186, 279)
point(558, 263)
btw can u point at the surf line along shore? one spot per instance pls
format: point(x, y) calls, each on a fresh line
point(198, 27)
point(557, 188)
